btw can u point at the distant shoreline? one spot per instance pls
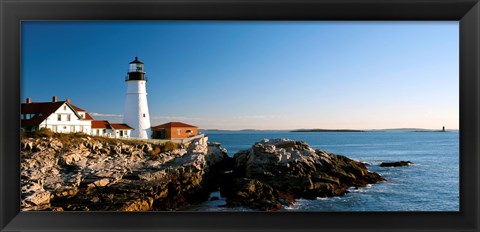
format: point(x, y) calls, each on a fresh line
point(430, 131)
point(326, 130)
point(338, 130)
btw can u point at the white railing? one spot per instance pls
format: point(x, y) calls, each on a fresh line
point(154, 141)
point(161, 141)
point(186, 140)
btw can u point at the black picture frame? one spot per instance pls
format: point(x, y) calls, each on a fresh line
point(12, 12)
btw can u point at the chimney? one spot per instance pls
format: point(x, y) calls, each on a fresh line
point(29, 100)
point(68, 101)
point(54, 99)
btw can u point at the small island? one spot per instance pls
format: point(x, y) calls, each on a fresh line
point(326, 130)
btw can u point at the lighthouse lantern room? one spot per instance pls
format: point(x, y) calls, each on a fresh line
point(136, 107)
point(135, 71)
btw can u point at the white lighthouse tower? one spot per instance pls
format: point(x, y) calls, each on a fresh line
point(136, 107)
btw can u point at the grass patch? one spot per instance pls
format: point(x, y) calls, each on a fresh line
point(78, 137)
point(69, 138)
point(169, 146)
point(41, 133)
point(165, 147)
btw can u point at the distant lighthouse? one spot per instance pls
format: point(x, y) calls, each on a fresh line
point(136, 107)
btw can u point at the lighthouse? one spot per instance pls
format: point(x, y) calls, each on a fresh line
point(136, 107)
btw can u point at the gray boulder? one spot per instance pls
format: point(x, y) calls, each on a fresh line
point(294, 168)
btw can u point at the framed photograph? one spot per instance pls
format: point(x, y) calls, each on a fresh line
point(239, 115)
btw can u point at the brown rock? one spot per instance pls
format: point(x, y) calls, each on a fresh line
point(256, 195)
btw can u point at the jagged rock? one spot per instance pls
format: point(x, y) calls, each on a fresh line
point(27, 144)
point(55, 145)
point(38, 198)
point(125, 149)
point(65, 192)
point(256, 195)
point(94, 145)
point(101, 182)
point(396, 164)
point(293, 167)
point(139, 205)
point(111, 175)
point(147, 148)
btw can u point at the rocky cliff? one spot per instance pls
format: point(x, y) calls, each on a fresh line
point(113, 175)
point(272, 173)
point(118, 175)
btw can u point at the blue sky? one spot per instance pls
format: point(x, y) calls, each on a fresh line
point(253, 75)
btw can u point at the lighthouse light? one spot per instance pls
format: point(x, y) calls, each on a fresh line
point(135, 67)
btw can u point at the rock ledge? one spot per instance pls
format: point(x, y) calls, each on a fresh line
point(115, 175)
point(274, 172)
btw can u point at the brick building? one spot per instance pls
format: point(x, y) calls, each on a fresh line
point(174, 130)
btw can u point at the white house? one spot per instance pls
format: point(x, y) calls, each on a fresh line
point(112, 130)
point(121, 130)
point(100, 127)
point(58, 116)
point(63, 117)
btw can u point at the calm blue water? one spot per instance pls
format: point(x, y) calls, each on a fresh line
point(432, 184)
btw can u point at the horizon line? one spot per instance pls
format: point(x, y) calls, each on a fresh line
point(337, 129)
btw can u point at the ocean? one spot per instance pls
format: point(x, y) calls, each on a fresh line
point(431, 184)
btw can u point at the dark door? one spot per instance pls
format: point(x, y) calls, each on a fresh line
point(159, 134)
point(162, 134)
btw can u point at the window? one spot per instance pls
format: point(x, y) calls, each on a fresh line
point(59, 117)
point(144, 115)
point(104, 131)
point(179, 131)
point(121, 133)
point(54, 128)
point(27, 116)
point(64, 127)
point(64, 108)
point(72, 128)
point(68, 117)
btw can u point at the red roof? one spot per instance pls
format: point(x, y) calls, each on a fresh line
point(120, 126)
point(173, 124)
point(103, 124)
point(41, 110)
point(87, 116)
point(100, 124)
